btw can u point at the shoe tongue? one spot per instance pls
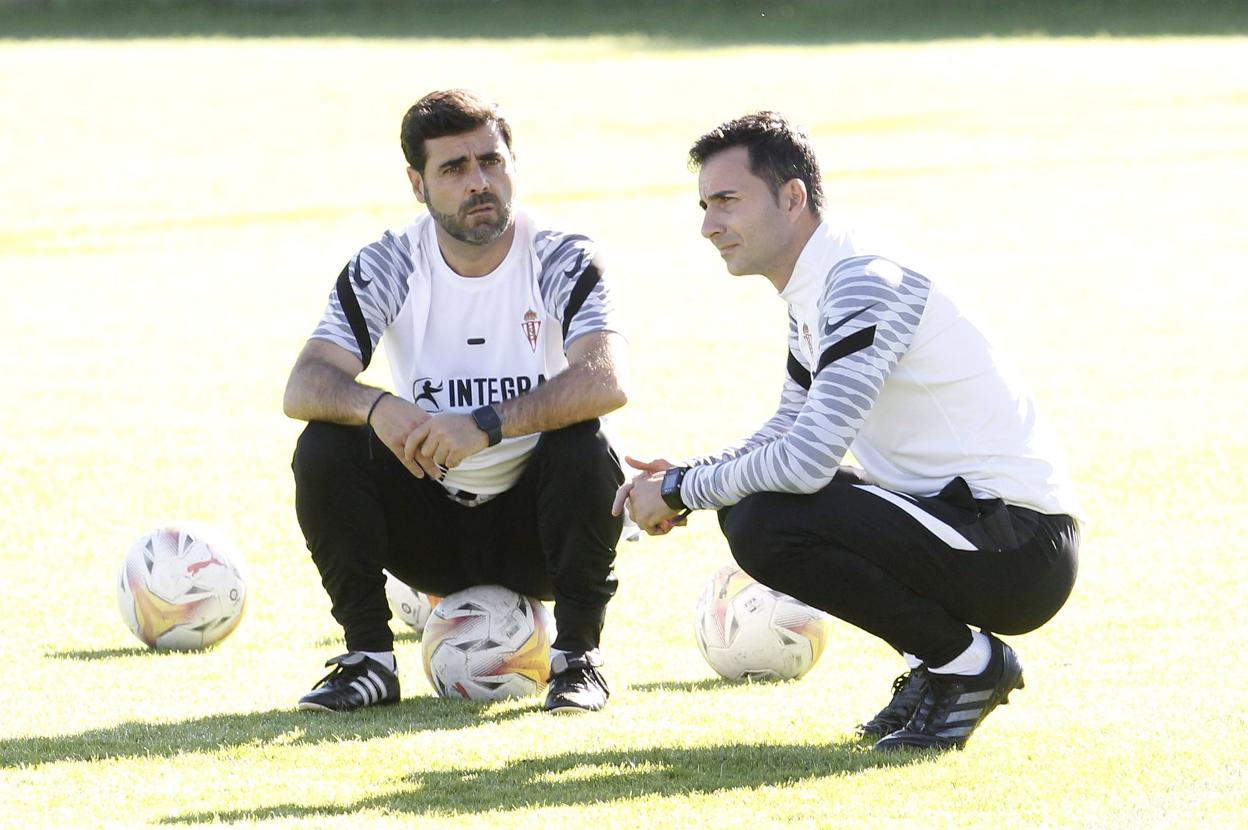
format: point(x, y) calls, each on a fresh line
point(352, 659)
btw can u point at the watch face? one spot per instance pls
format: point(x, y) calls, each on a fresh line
point(670, 491)
point(486, 418)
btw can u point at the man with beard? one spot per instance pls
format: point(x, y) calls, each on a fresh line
point(487, 463)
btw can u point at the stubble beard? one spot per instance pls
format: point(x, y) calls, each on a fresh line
point(484, 231)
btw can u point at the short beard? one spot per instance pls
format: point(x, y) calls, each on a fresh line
point(483, 233)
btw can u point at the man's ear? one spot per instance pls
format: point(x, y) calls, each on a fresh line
point(793, 196)
point(418, 184)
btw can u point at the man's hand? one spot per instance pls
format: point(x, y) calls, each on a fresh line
point(446, 439)
point(646, 505)
point(643, 495)
point(658, 465)
point(394, 420)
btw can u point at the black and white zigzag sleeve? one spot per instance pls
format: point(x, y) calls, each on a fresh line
point(572, 284)
point(869, 312)
point(367, 296)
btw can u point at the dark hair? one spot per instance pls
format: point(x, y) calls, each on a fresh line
point(443, 113)
point(778, 151)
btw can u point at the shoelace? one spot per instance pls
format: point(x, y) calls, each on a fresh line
point(939, 696)
point(899, 684)
point(583, 675)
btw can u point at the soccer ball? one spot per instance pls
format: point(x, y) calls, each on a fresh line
point(488, 643)
point(181, 587)
point(411, 606)
point(746, 630)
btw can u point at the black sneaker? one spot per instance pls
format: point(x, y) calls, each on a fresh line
point(955, 704)
point(356, 681)
point(576, 685)
point(908, 690)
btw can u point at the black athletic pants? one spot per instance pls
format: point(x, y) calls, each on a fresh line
point(551, 535)
point(913, 571)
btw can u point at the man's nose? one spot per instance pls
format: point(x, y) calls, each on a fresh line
point(710, 225)
point(478, 182)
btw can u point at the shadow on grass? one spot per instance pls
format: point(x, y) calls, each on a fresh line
point(682, 24)
point(287, 726)
point(593, 777)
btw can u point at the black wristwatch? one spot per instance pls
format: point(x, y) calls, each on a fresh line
point(487, 420)
point(670, 491)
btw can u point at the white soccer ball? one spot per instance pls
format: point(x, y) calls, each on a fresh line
point(182, 587)
point(746, 630)
point(488, 643)
point(409, 605)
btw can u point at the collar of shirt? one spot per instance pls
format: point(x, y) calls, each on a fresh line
point(812, 267)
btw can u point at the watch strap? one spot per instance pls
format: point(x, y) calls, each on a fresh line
point(487, 420)
point(673, 477)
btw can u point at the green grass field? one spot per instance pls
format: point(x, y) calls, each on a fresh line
point(174, 213)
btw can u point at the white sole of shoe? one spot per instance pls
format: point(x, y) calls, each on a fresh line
point(314, 707)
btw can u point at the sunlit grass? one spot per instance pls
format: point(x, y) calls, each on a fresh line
point(174, 216)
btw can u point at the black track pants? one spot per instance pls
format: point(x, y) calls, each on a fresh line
point(551, 535)
point(913, 571)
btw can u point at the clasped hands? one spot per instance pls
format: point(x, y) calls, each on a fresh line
point(431, 444)
point(643, 496)
point(426, 444)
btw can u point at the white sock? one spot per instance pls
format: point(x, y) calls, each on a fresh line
point(912, 661)
point(972, 661)
point(386, 658)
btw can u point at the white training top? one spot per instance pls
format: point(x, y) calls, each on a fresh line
point(882, 362)
point(456, 343)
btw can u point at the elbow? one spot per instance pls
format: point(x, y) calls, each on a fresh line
point(289, 407)
point(616, 374)
point(291, 403)
point(806, 485)
point(616, 397)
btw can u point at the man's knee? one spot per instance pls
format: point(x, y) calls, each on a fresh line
point(581, 438)
point(753, 535)
point(580, 451)
point(322, 450)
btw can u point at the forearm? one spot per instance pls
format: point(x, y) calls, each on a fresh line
point(591, 386)
point(320, 391)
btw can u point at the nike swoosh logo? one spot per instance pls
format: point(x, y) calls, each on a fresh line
point(828, 328)
point(359, 275)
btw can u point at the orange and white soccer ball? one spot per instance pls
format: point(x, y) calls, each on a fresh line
point(182, 587)
point(746, 630)
point(409, 605)
point(488, 643)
